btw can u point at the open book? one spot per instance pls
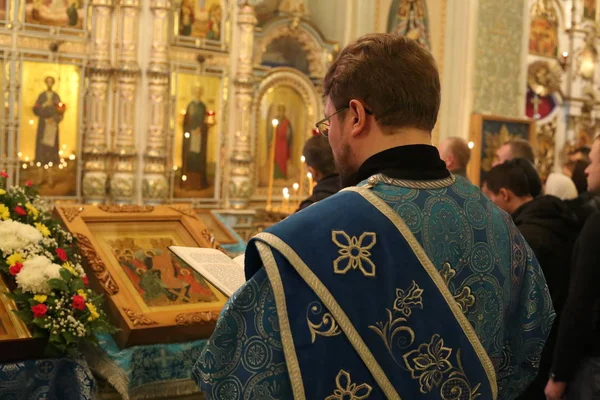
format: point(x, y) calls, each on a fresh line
point(224, 273)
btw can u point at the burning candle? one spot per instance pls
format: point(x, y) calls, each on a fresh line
point(285, 192)
point(274, 122)
point(310, 183)
point(286, 198)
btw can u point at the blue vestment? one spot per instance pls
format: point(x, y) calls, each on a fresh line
point(393, 289)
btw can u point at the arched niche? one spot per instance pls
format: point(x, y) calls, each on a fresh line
point(303, 107)
point(312, 52)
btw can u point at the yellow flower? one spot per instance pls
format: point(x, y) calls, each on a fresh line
point(4, 212)
point(69, 267)
point(2, 192)
point(43, 229)
point(81, 292)
point(40, 298)
point(32, 210)
point(15, 258)
point(93, 311)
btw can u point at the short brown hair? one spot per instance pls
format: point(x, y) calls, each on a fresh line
point(521, 148)
point(397, 79)
point(318, 155)
point(459, 148)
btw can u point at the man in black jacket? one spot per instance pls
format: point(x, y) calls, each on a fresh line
point(319, 159)
point(549, 227)
point(577, 351)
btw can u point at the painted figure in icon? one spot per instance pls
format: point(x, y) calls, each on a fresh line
point(158, 275)
point(50, 111)
point(283, 142)
point(195, 143)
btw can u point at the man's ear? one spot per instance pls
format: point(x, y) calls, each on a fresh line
point(505, 195)
point(358, 116)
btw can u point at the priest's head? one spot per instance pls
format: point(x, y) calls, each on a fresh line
point(383, 91)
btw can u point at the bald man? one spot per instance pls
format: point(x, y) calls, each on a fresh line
point(455, 152)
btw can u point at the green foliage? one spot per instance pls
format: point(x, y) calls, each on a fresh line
point(58, 284)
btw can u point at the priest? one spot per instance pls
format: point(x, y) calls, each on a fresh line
point(408, 284)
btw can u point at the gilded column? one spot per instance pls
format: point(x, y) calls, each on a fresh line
point(122, 183)
point(155, 186)
point(95, 145)
point(240, 181)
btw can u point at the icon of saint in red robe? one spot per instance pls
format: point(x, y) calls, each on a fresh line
point(283, 143)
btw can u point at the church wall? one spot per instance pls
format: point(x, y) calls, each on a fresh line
point(498, 88)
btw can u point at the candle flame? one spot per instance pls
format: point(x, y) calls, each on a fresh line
point(471, 145)
point(309, 175)
point(286, 195)
point(275, 122)
point(295, 186)
point(303, 159)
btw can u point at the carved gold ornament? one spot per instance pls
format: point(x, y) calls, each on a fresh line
point(97, 265)
point(543, 78)
point(126, 208)
point(138, 318)
point(71, 213)
point(196, 318)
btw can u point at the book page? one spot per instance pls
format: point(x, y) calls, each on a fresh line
point(220, 270)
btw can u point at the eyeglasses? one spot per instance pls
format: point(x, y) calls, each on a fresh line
point(323, 125)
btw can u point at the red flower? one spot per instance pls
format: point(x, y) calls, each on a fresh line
point(19, 210)
point(39, 310)
point(15, 269)
point(85, 280)
point(78, 303)
point(28, 183)
point(4, 174)
point(61, 254)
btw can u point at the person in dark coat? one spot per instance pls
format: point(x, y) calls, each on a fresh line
point(576, 363)
point(586, 203)
point(550, 228)
point(319, 159)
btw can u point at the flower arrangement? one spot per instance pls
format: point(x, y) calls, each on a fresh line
point(52, 293)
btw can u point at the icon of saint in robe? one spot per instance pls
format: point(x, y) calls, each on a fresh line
point(214, 22)
point(195, 143)
point(186, 17)
point(283, 143)
point(49, 110)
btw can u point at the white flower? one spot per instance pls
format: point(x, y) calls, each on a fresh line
point(35, 275)
point(15, 235)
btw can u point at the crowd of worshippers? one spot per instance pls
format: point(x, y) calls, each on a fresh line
point(551, 216)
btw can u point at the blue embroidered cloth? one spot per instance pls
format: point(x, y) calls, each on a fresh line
point(146, 371)
point(47, 379)
point(388, 297)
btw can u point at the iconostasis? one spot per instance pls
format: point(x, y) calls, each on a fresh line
point(135, 101)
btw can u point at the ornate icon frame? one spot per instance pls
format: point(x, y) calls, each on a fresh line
point(139, 324)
